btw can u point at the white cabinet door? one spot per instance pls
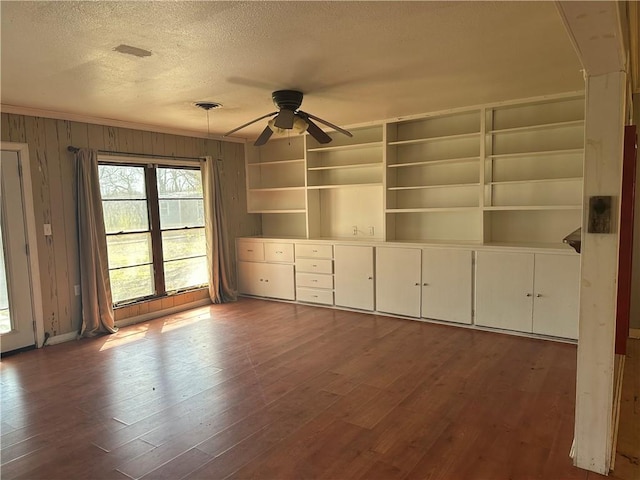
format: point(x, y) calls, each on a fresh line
point(266, 280)
point(557, 293)
point(504, 290)
point(446, 284)
point(353, 276)
point(398, 272)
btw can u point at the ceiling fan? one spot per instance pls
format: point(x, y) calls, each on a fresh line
point(289, 117)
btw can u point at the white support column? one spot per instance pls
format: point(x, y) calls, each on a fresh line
point(604, 133)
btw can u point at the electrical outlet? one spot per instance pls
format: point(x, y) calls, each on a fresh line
point(355, 230)
point(372, 231)
point(76, 290)
point(47, 229)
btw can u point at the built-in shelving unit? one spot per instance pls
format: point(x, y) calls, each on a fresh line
point(345, 185)
point(499, 174)
point(533, 171)
point(433, 178)
point(276, 186)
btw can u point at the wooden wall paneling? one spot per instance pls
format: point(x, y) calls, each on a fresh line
point(80, 135)
point(170, 145)
point(126, 140)
point(137, 144)
point(68, 185)
point(147, 140)
point(180, 146)
point(110, 138)
point(58, 224)
point(35, 136)
point(4, 127)
point(17, 131)
point(157, 143)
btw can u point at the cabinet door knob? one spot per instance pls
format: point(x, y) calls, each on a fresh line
point(417, 284)
point(249, 250)
point(278, 251)
point(538, 295)
point(425, 284)
point(314, 266)
point(314, 251)
point(314, 280)
point(529, 295)
point(267, 281)
point(370, 278)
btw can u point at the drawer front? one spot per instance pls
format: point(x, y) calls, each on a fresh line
point(250, 251)
point(278, 252)
point(314, 280)
point(311, 295)
point(311, 265)
point(314, 251)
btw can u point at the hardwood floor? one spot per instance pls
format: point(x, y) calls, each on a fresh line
point(258, 389)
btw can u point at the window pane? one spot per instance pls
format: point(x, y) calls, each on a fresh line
point(183, 243)
point(121, 182)
point(125, 215)
point(132, 282)
point(130, 249)
point(179, 183)
point(178, 213)
point(190, 272)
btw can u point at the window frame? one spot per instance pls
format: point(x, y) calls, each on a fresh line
point(155, 231)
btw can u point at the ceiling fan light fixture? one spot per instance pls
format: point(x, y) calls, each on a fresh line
point(299, 126)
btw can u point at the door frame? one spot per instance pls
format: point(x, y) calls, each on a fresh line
point(22, 149)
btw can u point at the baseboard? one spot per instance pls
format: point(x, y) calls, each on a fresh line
point(634, 333)
point(65, 337)
point(162, 313)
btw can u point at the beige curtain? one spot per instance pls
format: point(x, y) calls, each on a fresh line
point(97, 307)
point(218, 258)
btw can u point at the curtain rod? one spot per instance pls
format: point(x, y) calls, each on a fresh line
point(73, 149)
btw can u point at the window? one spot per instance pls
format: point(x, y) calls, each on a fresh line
point(154, 223)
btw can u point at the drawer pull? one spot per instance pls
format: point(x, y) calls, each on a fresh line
point(278, 251)
point(314, 280)
point(248, 250)
point(314, 251)
point(314, 266)
point(314, 296)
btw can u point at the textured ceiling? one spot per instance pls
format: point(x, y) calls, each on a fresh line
point(355, 61)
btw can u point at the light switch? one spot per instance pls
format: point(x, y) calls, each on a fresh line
point(47, 229)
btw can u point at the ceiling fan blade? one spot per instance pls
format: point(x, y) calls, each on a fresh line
point(328, 124)
point(249, 123)
point(315, 131)
point(284, 119)
point(264, 136)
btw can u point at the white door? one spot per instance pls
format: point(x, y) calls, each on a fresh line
point(556, 305)
point(353, 277)
point(16, 311)
point(446, 284)
point(398, 272)
point(504, 290)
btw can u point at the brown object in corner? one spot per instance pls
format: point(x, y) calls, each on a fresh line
point(625, 255)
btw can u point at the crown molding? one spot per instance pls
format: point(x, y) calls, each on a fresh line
point(110, 122)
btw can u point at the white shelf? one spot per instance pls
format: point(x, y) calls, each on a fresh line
point(423, 187)
point(539, 180)
point(435, 139)
point(299, 210)
point(531, 207)
point(536, 153)
point(275, 163)
point(355, 146)
point(435, 162)
point(276, 189)
point(432, 209)
point(541, 126)
point(352, 165)
point(350, 185)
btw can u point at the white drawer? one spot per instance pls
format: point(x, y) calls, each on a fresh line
point(304, 250)
point(250, 251)
point(315, 296)
point(278, 252)
point(314, 280)
point(311, 265)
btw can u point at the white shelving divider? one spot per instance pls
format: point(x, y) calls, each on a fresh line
point(433, 178)
point(276, 186)
point(345, 185)
point(533, 171)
